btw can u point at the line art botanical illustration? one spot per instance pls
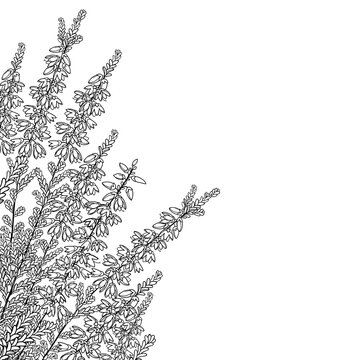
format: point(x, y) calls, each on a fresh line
point(61, 295)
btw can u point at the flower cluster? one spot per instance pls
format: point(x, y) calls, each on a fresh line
point(59, 298)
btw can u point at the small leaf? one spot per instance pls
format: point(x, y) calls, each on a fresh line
point(7, 74)
point(158, 226)
point(90, 158)
point(175, 210)
point(108, 197)
point(130, 193)
point(94, 79)
point(123, 167)
point(138, 179)
point(109, 185)
point(119, 176)
point(127, 293)
point(56, 49)
point(49, 70)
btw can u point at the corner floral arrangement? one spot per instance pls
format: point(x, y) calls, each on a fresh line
point(59, 297)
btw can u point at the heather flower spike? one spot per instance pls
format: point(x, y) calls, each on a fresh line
point(60, 298)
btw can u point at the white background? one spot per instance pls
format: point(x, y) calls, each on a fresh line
point(261, 99)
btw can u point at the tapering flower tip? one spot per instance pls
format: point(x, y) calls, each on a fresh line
point(19, 56)
point(114, 132)
point(118, 53)
point(82, 14)
point(9, 162)
point(215, 192)
point(192, 191)
point(61, 22)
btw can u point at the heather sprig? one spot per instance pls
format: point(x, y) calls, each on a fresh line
point(10, 87)
point(58, 68)
point(60, 297)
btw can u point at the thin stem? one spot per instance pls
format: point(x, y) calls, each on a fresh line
point(13, 215)
point(39, 268)
point(64, 327)
point(77, 310)
point(28, 245)
point(88, 237)
point(52, 81)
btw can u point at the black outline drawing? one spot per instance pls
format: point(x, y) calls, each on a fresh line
point(51, 276)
